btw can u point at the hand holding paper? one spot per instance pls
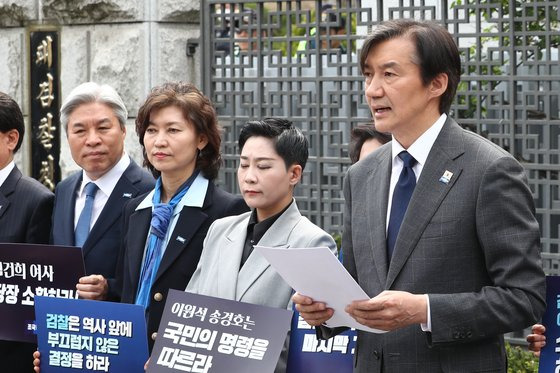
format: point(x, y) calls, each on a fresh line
point(317, 273)
point(390, 310)
point(314, 313)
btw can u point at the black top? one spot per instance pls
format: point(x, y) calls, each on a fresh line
point(256, 230)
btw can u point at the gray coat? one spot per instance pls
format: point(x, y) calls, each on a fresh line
point(218, 272)
point(471, 244)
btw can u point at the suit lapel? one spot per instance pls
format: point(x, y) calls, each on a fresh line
point(189, 221)
point(123, 191)
point(428, 194)
point(7, 188)
point(67, 202)
point(4, 204)
point(229, 259)
point(139, 221)
point(275, 236)
point(377, 197)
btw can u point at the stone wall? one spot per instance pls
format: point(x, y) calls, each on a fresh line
point(131, 45)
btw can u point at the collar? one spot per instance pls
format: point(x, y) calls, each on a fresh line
point(193, 198)
point(257, 229)
point(5, 172)
point(109, 180)
point(253, 218)
point(420, 149)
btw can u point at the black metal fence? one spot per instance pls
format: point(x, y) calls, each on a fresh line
point(298, 59)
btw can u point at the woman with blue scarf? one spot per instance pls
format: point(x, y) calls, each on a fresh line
point(164, 229)
point(178, 130)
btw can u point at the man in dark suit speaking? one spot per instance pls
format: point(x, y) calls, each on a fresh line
point(89, 203)
point(439, 224)
point(25, 212)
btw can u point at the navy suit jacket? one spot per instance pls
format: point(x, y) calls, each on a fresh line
point(25, 217)
point(101, 248)
point(25, 210)
point(181, 256)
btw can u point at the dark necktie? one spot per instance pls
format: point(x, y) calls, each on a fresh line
point(82, 228)
point(401, 196)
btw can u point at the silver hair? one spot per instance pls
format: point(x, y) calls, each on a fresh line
point(90, 92)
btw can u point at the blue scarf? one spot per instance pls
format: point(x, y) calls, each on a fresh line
point(161, 217)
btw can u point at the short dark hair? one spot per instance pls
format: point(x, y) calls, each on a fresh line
point(360, 134)
point(436, 52)
point(197, 110)
point(11, 117)
point(289, 142)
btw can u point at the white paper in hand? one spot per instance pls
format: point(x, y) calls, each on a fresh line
point(315, 272)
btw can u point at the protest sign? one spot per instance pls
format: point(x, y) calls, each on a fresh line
point(90, 336)
point(550, 354)
point(307, 354)
point(206, 334)
point(28, 270)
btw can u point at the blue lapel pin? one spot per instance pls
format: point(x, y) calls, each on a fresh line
point(446, 177)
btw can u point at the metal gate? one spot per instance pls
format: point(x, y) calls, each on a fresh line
point(298, 59)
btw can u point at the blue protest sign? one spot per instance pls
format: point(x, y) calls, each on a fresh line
point(550, 354)
point(90, 336)
point(28, 270)
point(307, 354)
point(204, 334)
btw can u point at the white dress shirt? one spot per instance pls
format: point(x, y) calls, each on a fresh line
point(420, 149)
point(106, 184)
point(5, 172)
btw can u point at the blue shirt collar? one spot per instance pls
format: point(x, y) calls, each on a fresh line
point(193, 198)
